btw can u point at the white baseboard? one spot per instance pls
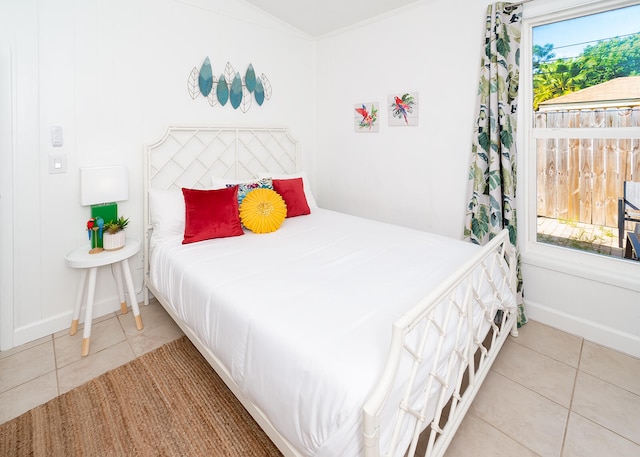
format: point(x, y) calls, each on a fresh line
point(59, 322)
point(589, 330)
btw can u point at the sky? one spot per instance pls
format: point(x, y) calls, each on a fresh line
point(570, 37)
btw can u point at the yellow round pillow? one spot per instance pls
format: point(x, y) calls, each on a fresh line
point(263, 211)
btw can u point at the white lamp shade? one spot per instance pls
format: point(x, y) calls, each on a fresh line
point(104, 184)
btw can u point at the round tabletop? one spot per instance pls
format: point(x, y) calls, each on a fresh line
point(80, 257)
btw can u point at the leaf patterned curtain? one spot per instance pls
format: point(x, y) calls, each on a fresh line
point(492, 174)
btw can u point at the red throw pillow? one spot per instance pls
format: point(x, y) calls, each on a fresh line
point(292, 191)
point(211, 214)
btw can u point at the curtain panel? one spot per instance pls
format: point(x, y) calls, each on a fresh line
point(492, 174)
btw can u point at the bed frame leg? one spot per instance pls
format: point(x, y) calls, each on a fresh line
point(514, 329)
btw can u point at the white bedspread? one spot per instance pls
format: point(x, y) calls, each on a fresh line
point(302, 317)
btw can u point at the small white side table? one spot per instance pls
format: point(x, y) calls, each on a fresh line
point(89, 263)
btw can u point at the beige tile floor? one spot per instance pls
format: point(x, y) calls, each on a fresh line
point(548, 394)
point(36, 372)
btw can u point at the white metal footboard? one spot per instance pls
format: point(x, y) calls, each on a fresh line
point(443, 391)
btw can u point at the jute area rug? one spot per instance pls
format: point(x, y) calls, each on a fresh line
point(168, 402)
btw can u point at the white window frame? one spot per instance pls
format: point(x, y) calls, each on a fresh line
point(596, 267)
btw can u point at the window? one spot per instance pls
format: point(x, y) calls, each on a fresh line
point(583, 123)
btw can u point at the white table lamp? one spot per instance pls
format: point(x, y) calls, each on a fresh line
point(103, 185)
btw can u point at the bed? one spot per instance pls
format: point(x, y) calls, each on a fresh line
point(341, 336)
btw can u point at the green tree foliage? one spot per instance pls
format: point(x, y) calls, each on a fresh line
point(606, 60)
point(541, 54)
point(560, 77)
point(613, 58)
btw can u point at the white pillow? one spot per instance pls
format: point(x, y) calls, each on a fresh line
point(167, 214)
point(305, 183)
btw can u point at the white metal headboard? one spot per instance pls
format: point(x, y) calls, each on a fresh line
point(189, 156)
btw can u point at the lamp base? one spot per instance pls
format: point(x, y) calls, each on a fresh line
point(108, 212)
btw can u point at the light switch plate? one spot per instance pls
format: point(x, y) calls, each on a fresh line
point(56, 136)
point(57, 162)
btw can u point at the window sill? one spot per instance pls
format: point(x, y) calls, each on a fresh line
point(622, 273)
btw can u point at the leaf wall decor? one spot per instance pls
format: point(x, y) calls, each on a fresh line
point(229, 73)
point(192, 84)
point(231, 86)
point(222, 90)
point(250, 78)
point(205, 78)
point(246, 100)
point(266, 84)
point(212, 98)
point(236, 91)
point(258, 92)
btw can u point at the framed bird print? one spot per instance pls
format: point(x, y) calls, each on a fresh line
point(365, 117)
point(403, 109)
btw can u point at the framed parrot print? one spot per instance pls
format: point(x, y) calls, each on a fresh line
point(365, 117)
point(403, 109)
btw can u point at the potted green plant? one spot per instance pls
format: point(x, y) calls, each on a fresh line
point(114, 236)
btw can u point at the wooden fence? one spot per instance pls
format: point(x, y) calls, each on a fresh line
point(581, 179)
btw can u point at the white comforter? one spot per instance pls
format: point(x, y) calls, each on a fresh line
point(302, 317)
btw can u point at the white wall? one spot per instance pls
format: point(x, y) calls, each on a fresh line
point(416, 176)
point(114, 74)
point(413, 176)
